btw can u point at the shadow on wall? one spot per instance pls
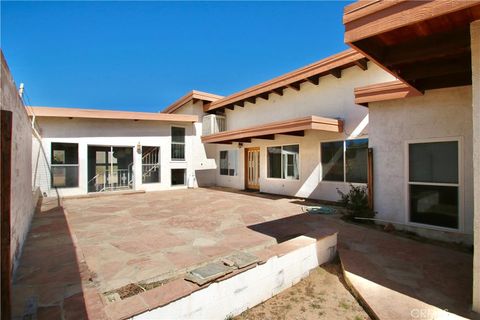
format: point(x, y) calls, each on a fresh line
point(51, 280)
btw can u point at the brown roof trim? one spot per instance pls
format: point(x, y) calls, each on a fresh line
point(384, 91)
point(192, 95)
point(294, 125)
point(107, 114)
point(365, 19)
point(332, 64)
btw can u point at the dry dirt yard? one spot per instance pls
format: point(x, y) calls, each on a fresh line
point(321, 295)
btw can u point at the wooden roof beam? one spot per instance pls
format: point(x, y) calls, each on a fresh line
point(230, 106)
point(300, 133)
point(314, 80)
point(266, 137)
point(240, 104)
point(337, 73)
point(252, 100)
point(278, 91)
point(294, 86)
point(362, 64)
point(264, 96)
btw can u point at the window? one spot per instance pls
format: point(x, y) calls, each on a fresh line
point(433, 183)
point(150, 164)
point(178, 177)
point(345, 161)
point(283, 162)
point(178, 143)
point(64, 161)
point(228, 162)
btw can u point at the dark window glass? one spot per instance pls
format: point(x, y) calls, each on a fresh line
point(223, 163)
point(434, 162)
point(274, 155)
point(178, 143)
point(150, 164)
point(178, 177)
point(356, 155)
point(332, 161)
point(434, 205)
point(64, 159)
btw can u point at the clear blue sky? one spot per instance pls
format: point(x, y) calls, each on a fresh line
point(144, 55)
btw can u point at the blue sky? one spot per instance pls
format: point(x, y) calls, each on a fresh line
point(142, 56)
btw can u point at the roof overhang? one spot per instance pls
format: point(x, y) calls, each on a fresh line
point(107, 114)
point(426, 44)
point(312, 73)
point(268, 131)
point(384, 91)
point(194, 96)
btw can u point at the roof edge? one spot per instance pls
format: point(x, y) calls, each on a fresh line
point(54, 112)
point(384, 91)
point(194, 94)
point(341, 59)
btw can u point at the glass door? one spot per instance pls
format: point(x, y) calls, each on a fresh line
point(110, 168)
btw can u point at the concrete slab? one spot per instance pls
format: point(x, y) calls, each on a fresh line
point(208, 273)
point(242, 259)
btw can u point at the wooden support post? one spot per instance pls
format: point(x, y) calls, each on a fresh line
point(370, 178)
point(5, 208)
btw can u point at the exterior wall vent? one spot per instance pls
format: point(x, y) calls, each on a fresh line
point(212, 124)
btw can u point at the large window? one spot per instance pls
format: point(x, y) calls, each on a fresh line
point(433, 183)
point(345, 161)
point(228, 162)
point(178, 143)
point(283, 162)
point(150, 164)
point(64, 162)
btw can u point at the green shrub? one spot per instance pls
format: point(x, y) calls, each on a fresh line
point(356, 203)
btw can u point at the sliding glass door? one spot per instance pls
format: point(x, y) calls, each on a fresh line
point(110, 168)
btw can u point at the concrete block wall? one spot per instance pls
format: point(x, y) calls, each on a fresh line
point(22, 201)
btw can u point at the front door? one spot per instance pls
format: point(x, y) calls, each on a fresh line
point(252, 168)
point(110, 168)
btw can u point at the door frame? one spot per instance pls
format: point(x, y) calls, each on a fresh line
point(247, 186)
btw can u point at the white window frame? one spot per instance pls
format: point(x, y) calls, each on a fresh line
point(282, 168)
point(459, 185)
point(228, 163)
point(344, 161)
point(184, 144)
point(52, 165)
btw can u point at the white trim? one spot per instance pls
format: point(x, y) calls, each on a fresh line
point(459, 185)
point(184, 144)
point(299, 162)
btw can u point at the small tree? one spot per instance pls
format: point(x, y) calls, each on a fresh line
point(356, 203)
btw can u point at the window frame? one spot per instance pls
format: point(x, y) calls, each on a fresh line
point(184, 177)
point(158, 163)
point(178, 143)
point(228, 163)
point(282, 168)
point(59, 165)
point(459, 185)
point(344, 142)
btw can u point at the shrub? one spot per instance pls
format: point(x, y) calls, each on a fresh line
point(356, 203)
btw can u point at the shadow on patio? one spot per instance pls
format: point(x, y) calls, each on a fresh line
point(52, 281)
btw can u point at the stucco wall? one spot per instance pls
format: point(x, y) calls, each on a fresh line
point(125, 133)
point(22, 200)
point(439, 113)
point(331, 98)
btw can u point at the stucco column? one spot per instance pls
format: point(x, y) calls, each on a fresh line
point(475, 47)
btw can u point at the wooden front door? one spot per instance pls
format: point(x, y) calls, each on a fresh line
point(252, 168)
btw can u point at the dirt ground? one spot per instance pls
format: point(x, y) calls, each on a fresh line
point(319, 296)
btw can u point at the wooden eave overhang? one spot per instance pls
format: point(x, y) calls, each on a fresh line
point(384, 91)
point(425, 44)
point(312, 73)
point(267, 131)
point(193, 95)
point(107, 114)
